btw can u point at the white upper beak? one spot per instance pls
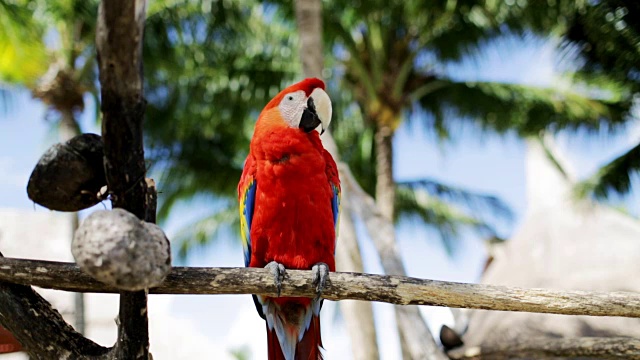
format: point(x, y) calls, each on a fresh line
point(323, 108)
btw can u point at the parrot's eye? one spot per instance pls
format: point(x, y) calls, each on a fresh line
point(290, 98)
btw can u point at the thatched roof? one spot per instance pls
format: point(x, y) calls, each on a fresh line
point(561, 244)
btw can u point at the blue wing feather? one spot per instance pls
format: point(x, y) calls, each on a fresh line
point(247, 206)
point(335, 207)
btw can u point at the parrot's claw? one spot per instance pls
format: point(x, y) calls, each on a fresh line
point(320, 276)
point(277, 270)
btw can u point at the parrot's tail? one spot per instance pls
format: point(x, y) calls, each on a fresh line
point(293, 329)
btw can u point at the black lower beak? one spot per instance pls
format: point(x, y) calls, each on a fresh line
point(310, 119)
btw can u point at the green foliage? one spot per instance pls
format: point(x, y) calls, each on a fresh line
point(449, 210)
point(22, 54)
point(48, 47)
point(614, 177)
point(526, 109)
point(209, 69)
point(606, 34)
point(447, 219)
point(605, 37)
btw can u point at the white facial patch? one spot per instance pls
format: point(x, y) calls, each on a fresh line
point(292, 106)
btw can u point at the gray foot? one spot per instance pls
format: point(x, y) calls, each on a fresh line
point(320, 275)
point(277, 270)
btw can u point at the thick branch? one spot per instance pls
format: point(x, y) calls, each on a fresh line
point(119, 42)
point(399, 290)
point(41, 329)
point(544, 347)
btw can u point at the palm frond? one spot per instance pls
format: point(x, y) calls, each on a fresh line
point(604, 36)
point(189, 175)
point(447, 219)
point(526, 109)
point(476, 203)
point(614, 178)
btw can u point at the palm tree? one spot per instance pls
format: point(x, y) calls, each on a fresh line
point(392, 55)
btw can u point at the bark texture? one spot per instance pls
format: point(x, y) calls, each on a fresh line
point(119, 41)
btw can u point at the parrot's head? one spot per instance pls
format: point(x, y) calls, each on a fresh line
point(304, 105)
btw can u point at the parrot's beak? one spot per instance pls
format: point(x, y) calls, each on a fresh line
point(317, 115)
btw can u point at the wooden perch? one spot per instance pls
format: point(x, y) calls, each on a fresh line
point(399, 290)
point(544, 347)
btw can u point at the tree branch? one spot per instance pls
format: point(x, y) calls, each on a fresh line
point(399, 290)
point(39, 328)
point(544, 347)
point(415, 338)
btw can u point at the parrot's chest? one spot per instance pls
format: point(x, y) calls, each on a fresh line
point(293, 221)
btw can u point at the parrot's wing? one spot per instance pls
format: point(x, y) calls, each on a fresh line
point(247, 199)
point(334, 181)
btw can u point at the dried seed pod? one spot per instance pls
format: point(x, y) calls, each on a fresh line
point(69, 176)
point(117, 248)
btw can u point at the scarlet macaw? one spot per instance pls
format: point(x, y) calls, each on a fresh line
point(289, 196)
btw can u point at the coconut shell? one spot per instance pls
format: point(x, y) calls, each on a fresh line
point(69, 176)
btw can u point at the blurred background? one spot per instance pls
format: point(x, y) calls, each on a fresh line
point(500, 137)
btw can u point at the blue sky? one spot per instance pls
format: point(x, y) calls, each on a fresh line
point(485, 163)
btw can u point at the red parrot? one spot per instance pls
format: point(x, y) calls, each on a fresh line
point(289, 196)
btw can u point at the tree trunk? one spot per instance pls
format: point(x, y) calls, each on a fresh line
point(119, 35)
point(385, 186)
point(358, 315)
point(416, 340)
point(309, 22)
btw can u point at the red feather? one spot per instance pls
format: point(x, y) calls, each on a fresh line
point(309, 346)
point(273, 346)
point(308, 85)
